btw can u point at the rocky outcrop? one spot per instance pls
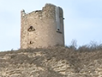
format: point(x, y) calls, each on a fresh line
point(50, 62)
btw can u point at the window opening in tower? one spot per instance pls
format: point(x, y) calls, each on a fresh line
point(31, 29)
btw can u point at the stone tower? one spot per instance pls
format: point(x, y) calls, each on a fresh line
point(42, 28)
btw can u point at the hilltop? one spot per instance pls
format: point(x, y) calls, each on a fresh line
point(55, 61)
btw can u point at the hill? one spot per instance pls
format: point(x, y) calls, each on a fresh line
point(51, 62)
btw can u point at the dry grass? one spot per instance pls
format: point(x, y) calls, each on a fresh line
point(76, 57)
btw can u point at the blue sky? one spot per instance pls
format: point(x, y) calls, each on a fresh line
point(83, 20)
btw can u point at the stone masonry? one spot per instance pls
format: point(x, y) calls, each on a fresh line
point(42, 28)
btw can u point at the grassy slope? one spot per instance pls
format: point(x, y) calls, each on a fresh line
point(76, 58)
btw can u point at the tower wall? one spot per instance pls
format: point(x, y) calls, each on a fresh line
point(42, 28)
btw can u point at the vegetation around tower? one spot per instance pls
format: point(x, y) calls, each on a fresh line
point(55, 61)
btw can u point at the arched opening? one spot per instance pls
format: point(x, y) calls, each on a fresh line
point(31, 42)
point(31, 28)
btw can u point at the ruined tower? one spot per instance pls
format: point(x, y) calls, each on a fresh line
point(42, 28)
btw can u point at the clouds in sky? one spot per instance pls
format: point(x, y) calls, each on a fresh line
point(82, 20)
